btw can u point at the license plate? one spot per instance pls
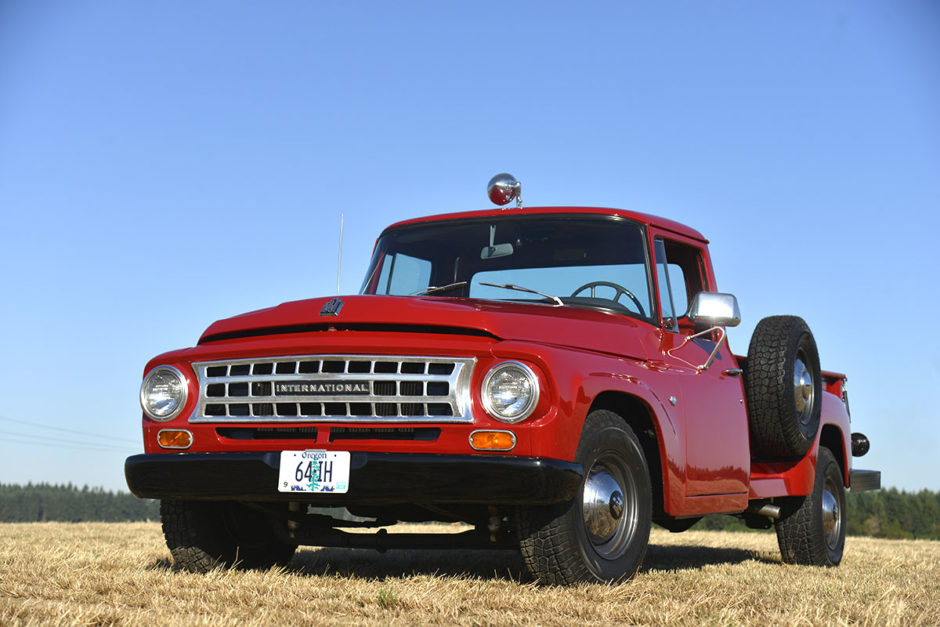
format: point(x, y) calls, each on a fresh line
point(321, 472)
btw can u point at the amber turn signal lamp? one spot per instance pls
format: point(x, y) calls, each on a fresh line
point(175, 438)
point(492, 440)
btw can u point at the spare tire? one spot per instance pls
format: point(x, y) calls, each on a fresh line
point(784, 387)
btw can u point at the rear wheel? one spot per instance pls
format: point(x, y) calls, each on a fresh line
point(811, 530)
point(203, 535)
point(602, 534)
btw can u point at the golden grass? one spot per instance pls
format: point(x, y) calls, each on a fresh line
point(100, 573)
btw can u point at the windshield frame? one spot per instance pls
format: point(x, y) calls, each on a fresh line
point(370, 285)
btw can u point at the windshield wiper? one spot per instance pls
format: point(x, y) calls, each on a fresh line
point(434, 289)
point(519, 288)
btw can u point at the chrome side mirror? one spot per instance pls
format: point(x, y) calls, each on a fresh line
point(715, 309)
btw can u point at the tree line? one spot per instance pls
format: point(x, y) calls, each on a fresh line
point(889, 513)
point(893, 514)
point(42, 502)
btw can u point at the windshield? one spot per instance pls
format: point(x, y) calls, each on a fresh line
point(595, 261)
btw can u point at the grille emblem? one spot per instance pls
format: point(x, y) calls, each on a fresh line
point(332, 308)
point(317, 388)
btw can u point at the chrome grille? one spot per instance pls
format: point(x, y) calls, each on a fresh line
point(335, 388)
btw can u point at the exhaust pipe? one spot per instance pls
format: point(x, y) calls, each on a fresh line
point(767, 510)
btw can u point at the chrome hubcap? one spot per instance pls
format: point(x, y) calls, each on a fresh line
point(603, 504)
point(803, 390)
point(616, 505)
point(609, 507)
point(831, 515)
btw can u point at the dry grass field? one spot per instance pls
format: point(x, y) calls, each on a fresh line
point(100, 574)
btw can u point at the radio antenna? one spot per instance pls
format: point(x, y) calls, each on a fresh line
point(339, 265)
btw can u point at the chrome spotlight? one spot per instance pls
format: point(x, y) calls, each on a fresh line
point(503, 188)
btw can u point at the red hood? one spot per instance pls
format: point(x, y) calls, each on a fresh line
point(544, 324)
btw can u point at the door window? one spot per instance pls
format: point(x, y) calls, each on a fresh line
point(680, 270)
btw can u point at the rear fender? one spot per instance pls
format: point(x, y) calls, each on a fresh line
point(835, 433)
point(776, 478)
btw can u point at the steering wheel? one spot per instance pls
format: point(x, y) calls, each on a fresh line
point(621, 291)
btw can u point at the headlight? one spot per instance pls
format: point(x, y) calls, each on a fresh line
point(163, 393)
point(510, 391)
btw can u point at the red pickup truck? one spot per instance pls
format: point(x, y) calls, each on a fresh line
point(557, 377)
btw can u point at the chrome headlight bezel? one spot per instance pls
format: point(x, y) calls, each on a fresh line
point(498, 410)
point(147, 389)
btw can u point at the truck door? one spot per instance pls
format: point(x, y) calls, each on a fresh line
point(712, 400)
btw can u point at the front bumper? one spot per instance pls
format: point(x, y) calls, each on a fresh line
point(375, 478)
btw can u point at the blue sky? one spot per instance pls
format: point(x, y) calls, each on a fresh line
point(163, 165)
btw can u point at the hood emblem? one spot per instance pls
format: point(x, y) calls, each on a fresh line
point(332, 308)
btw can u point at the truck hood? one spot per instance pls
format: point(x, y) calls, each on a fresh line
point(575, 327)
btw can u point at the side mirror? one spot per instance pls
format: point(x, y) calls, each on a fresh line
point(715, 309)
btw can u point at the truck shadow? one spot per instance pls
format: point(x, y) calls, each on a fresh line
point(693, 557)
point(480, 564)
point(397, 563)
point(491, 565)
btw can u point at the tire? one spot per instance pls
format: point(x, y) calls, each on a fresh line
point(784, 387)
point(203, 535)
point(602, 534)
point(811, 530)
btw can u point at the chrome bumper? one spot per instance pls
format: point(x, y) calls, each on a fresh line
point(862, 480)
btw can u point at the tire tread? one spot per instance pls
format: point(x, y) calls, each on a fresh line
point(197, 537)
point(799, 531)
point(774, 429)
point(191, 542)
point(548, 545)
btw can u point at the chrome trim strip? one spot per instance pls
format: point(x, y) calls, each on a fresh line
point(458, 396)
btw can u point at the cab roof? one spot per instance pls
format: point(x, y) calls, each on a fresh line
point(644, 218)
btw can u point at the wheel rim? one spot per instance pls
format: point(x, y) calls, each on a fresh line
point(804, 389)
point(609, 507)
point(831, 513)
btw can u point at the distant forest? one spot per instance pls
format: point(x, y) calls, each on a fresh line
point(886, 513)
point(42, 502)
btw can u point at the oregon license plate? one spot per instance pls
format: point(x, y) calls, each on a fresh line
point(314, 471)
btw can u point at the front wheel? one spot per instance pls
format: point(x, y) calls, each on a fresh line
point(812, 529)
point(602, 534)
point(203, 535)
